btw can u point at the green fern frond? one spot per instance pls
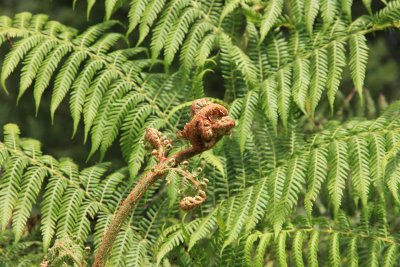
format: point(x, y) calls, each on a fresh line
point(148, 17)
point(269, 97)
point(270, 16)
point(316, 173)
point(283, 82)
point(311, 8)
point(72, 200)
point(329, 10)
point(301, 81)
point(246, 118)
point(174, 236)
point(319, 76)
point(25, 171)
point(10, 186)
point(167, 21)
point(30, 188)
point(49, 46)
point(313, 70)
point(358, 60)
point(238, 219)
point(389, 14)
point(336, 63)
point(111, 6)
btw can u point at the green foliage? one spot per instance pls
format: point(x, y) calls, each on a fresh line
point(291, 186)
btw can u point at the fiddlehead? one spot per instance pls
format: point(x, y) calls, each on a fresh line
point(209, 123)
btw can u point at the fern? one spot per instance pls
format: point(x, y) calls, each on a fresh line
point(289, 187)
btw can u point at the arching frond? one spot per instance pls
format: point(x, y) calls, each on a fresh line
point(86, 70)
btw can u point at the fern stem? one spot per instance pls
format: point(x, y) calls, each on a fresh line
point(129, 203)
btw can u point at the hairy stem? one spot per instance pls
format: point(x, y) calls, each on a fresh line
point(129, 203)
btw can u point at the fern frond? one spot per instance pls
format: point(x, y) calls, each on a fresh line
point(167, 20)
point(82, 227)
point(46, 71)
point(191, 45)
point(291, 186)
point(10, 186)
point(389, 14)
point(50, 208)
point(336, 63)
point(283, 82)
point(337, 174)
point(301, 81)
point(312, 250)
point(258, 205)
point(235, 225)
point(329, 10)
point(111, 6)
point(246, 118)
point(319, 76)
point(65, 79)
point(32, 64)
point(148, 17)
point(47, 46)
point(270, 16)
point(311, 8)
point(327, 59)
point(269, 102)
point(358, 60)
point(19, 51)
point(297, 248)
point(240, 59)
point(358, 156)
point(204, 229)
point(30, 188)
point(123, 244)
point(26, 169)
point(174, 236)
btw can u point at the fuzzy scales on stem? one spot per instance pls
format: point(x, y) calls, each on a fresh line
point(209, 123)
